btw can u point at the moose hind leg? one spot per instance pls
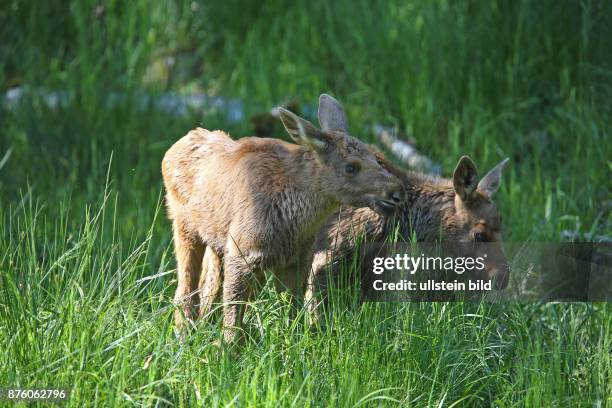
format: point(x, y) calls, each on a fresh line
point(189, 252)
point(210, 280)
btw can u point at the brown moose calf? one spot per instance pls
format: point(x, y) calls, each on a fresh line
point(255, 204)
point(459, 210)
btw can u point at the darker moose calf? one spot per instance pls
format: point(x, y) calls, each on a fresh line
point(255, 204)
point(459, 210)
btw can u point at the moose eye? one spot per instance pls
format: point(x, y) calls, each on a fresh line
point(351, 168)
point(479, 237)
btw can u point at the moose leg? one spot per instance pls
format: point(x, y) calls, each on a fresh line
point(238, 275)
point(315, 286)
point(210, 280)
point(293, 277)
point(189, 251)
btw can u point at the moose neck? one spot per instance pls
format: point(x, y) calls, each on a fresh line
point(305, 198)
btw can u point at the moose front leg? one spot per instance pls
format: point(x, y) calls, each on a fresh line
point(239, 276)
point(316, 287)
point(293, 277)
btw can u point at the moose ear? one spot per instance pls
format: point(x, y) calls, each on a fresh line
point(302, 131)
point(331, 114)
point(465, 178)
point(491, 182)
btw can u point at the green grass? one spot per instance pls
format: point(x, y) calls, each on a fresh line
point(86, 264)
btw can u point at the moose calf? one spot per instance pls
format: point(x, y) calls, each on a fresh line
point(460, 210)
point(256, 203)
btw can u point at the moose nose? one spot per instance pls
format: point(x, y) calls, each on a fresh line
point(397, 196)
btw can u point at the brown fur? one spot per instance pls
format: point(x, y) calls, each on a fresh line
point(256, 204)
point(436, 209)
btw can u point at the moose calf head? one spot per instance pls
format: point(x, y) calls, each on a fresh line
point(476, 220)
point(348, 170)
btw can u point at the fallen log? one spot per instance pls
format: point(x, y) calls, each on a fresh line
point(404, 151)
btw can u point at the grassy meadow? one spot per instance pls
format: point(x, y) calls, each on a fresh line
point(86, 263)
